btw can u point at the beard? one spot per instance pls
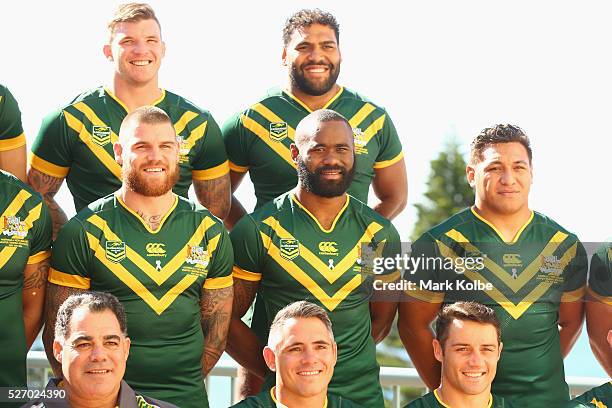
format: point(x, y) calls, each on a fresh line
point(136, 182)
point(315, 184)
point(299, 80)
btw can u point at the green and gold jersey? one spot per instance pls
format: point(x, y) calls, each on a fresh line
point(267, 399)
point(600, 275)
point(524, 281)
point(76, 142)
point(283, 246)
point(258, 139)
point(598, 397)
point(159, 277)
point(25, 238)
point(11, 131)
point(432, 400)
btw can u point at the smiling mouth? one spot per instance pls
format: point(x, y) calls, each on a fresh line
point(309, 373)
point(474, 374)
point(98, 372)
point(154, 170)
point(141, 63)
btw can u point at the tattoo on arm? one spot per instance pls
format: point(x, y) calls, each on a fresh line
point(214, 194)
point(48, 186)
point(216, 311)
point(244, 295)
point(38, 278)
point(153, 221)
point(56, 295)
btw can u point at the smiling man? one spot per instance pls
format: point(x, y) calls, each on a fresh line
point(92, 346)
point(76, 142)
point(529, 270)
point(302, 353)
point(167, 259)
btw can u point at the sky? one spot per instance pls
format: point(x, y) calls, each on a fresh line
point(440, 68)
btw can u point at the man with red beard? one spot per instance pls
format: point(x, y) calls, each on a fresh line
point(167, 259)
point(306, 245)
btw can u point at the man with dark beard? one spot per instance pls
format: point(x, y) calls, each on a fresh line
point(306, 245)
point(167, 259)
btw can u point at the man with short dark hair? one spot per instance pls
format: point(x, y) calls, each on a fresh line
point(307, 244)
point(92, 346)
point(12, 138)
point(76, 142)
point(167, 259)
point(522, 264)
point(302, 353)
point(468, 346)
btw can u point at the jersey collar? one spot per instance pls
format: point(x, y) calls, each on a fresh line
point(489, 405)
point(281, 405)
point(123, 105)
point(139, 218)
point(494, 228)
point(295, 200)
point(332, 99)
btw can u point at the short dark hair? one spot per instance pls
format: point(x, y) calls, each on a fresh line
point(300, 310)
point(319, 116)
point(501, 133)
point(151, 115)
point(95, 302)
point(131, 13)
point(471, 311)
point(306, 18)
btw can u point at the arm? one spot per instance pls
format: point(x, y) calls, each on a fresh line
point(599, 322)
point(14, 161)
point(216, 310)
point(236, 211)
point(56, 295)
point(413, 324)
point(571, 315)
point(382, 315)
point(48, 186)
point(391, 188)
point(34, 279)
point(214, 194)
point(242, 343)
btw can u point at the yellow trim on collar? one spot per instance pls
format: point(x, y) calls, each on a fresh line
point(294, 198)
point(518, 234)
point(331, 100)
point(123, 105)
point(161, 224)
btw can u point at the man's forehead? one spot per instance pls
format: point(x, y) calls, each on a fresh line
point(512, 151)
point(319, 32)
point(330, 132)
point(469, 332)
point(304, 330)
point(137, 132)
point(148, 27)
point(87, 323)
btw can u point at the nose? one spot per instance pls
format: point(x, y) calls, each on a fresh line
point(308, 356)
point(98, 353)
point(476, 359)
point(154, 154)
point(139, 47)
point(508, 177)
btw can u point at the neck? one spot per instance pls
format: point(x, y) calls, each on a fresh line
point(454, 398)
point(292, 400)
point(313, 102)
point(507, 224)
point(324, 209)
point(134, 96)
point(87, 402)
point(150, 209)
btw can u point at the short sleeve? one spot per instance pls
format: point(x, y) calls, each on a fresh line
point(575, 274)
point(40, 241)
point(71, 257)
point(390, 146)
point(51, 151)
point(235, 145)
point(600, 274)
point(423, 270)
point(210, 160)
point(11, 130)
point(249, 250)
point(220, 272)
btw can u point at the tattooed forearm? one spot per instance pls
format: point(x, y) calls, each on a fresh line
point(244, 295)
point(56, 295)
point(37, 278)
point(33, 298)
point(153, 221)
point(48, 186)
point(216, 311)
point(214, 194)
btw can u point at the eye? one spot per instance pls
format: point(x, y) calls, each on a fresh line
point(111, 343)
point(322, 347)
point(82, 346)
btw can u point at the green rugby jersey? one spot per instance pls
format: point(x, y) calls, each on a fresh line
point(267, 399)
point(11, 131)
point(432, 400)
point(600, 274)
point(159, 277)
point(25, 238)
point(284, 247)
point(76, 142)
point(258, 139)
point(598, 397)
point(528, 278)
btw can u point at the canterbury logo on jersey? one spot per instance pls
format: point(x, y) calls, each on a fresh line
point(328, 248)
point(155, 249)
point(101, 135)
point(278, 131)
point(512, 260)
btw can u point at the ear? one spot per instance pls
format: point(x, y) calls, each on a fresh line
point(294, 152)
point(501, 347)
point(163, 53)
point(284, 57)
point(437, 350)
point(57, 350)
point(270, 358)
point(126, 346)
point(118, 150)
point(107, 52)
point(470, 173)
point(335, 347)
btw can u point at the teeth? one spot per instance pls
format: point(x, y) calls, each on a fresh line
point(141, 63)
point(308, 373)
point(98, 371)
point(317, 70)
point(155, 170)
point(474, 375)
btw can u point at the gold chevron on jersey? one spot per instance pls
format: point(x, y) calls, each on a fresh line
point(515, 310)
point(101, 154)
point(279, 128)
point(264, 134)
point(330, 302)
point(527, 274)
point(101, 133)
point(195, 135)
point(159, 276)
point(346, 263)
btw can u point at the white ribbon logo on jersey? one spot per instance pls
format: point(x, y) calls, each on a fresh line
point(196, 255)
point(115, 251)
point(278, 131)
point(101, 135)
point(14, 226)
point(289, 248)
